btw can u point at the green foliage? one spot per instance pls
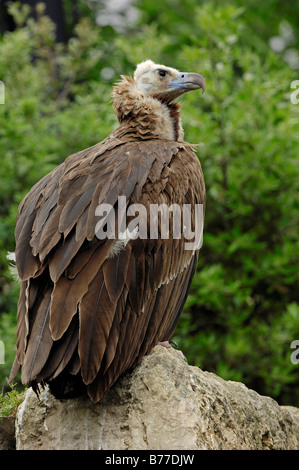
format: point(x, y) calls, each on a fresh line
point(244, 296)
point(243, 309)
point(9, 402)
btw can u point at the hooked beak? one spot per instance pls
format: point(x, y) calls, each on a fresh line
point(188, 82)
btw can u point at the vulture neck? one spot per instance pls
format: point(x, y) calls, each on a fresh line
point(144, 117)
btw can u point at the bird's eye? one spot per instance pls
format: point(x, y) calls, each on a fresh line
point(162, 73)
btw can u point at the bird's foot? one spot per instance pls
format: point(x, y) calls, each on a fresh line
point(167, 344)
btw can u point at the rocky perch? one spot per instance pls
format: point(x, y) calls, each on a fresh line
point(163, 404)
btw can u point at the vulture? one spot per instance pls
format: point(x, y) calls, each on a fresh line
point(94, 301)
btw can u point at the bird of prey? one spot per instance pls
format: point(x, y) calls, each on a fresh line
point(91, 306)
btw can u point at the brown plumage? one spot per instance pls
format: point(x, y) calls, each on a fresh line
point(91, 308)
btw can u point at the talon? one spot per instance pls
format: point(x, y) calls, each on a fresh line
point(165, 344)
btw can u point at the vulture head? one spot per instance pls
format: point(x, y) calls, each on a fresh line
point(147, 100)
point(165, 83)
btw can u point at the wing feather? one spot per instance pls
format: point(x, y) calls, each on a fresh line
point(63, 255)
point(96, 318)
point(73, 209)
point(115, 272)
point(47, 238)
point(40, 342)
point(68, 293)
point(62, 352)
point(22, 325)
point(27, 263)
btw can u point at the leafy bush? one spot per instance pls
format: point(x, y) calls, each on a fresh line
point(9, 402)
point(243, 305)
point(243, 310)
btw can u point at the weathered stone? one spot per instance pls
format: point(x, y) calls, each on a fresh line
point(163, 404)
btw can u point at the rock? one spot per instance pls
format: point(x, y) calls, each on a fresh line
point(7, 433)
point(163, 404)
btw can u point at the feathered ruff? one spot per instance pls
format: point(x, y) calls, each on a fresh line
point(146, 116)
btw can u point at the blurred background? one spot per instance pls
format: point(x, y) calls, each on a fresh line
point(58, 61)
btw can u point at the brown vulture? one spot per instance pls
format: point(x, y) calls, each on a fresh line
point(91, 307)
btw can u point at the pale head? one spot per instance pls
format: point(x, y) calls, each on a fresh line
point(165, 83)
